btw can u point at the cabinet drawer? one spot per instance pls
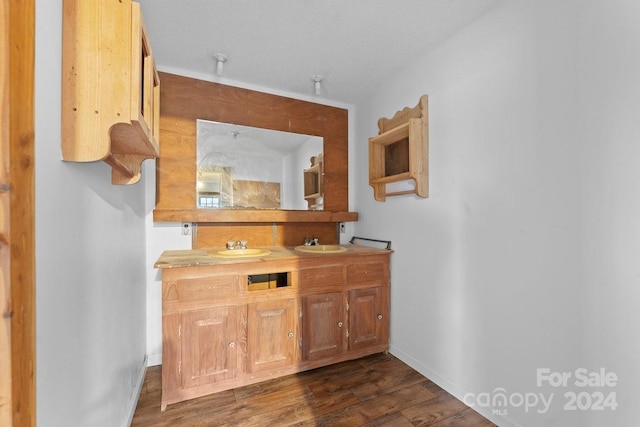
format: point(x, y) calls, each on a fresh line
point(373, 272)
point(207, 288)
point(330, 275)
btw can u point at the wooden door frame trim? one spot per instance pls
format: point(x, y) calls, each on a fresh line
point(17, 242)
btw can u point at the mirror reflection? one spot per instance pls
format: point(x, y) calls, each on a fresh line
point(242, 167)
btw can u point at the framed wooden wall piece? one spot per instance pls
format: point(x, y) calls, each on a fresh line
point(400, 152)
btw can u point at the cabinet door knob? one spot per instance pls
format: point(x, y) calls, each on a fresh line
point(232, 344)
point(340, 324)
point(379, 316)
point(290, 334)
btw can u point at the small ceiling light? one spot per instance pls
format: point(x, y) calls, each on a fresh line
point(220, 58)
point(317, 78)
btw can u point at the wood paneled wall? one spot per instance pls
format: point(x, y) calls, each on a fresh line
point(184, 99)
point(209, 235)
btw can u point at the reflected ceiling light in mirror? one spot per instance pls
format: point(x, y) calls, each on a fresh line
point(220, 58)
point(317, 79)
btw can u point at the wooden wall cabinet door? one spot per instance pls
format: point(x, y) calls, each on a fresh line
point(368, 317)
point(145, 82)
point(323, 325)
point(272, 334)
point(209, 346)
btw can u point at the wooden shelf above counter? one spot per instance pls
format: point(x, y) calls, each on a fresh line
point(253, 216)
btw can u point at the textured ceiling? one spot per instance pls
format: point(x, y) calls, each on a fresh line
point(281, 44)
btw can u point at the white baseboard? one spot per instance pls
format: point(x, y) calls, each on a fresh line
point(154, 360)
point(136, 392)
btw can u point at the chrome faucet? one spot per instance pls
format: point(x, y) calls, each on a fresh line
point(239, 244)
point(311, 241)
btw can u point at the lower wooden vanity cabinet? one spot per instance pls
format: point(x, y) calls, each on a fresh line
point(208, 346)
point(368, 305)
point(323, 325)
point(368, 318)
point(220, 331)
point(272, 337)
point(351, 319)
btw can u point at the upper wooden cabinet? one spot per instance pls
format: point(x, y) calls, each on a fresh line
point(110, 87)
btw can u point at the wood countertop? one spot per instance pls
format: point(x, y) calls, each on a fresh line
point(208, 257)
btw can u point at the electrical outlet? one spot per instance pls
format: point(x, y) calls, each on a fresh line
point(186, 228)
point(342, 229)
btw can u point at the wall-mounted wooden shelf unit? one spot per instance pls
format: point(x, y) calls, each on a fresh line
point(400, 153)
point(110, 87)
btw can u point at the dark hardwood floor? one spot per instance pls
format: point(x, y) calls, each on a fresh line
point(378, 390)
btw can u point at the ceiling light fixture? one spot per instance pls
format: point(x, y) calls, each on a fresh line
point(220, 58)
point(317, 78)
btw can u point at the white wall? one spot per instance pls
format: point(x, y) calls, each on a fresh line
point(90, 268)
point(609, 101)
point(525, 254)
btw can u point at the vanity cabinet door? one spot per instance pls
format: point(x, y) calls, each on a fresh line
point(323, 325)
point(368, 317)
point(209, 346)
point(271, 335)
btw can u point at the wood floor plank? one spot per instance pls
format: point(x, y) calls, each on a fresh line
point(382, 405)
point(393, 420)
point(298, 413)
point(466, 418)
point(322, 385)
point(378, 390)
point(387, 378)
point(347, 417)
point(441, 407)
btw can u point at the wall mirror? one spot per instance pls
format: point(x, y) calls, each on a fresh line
point(243, 167)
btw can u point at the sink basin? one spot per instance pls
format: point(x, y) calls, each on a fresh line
point(241, 253)
point(321, 249)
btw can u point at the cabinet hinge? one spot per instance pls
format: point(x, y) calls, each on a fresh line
point(180, 367)
point(180, 330)
point(347, 333)
point(300, 312)
point(347, 306)
point(300, 342)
